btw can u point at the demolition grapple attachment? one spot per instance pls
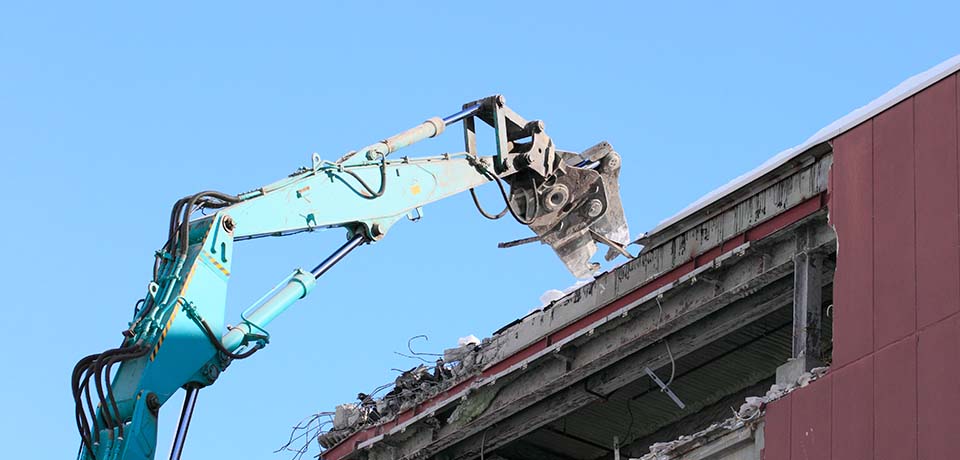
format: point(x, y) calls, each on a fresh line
point(569, 200)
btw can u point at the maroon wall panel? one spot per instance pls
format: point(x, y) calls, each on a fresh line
point(938, 390)
point(776, 431)
point(852, 411)
point(894, 383)
point(894, 272)
point(895, 401)
point(938, 235)
point(809, 423)
point(851, 213)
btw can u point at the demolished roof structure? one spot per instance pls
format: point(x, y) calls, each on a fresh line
point(728, 297)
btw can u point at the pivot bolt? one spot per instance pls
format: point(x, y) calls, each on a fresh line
point(376, 230)
point(153, 403)
point(229, 225)
point(594, 208)
point(536, 126)
point(613, 161)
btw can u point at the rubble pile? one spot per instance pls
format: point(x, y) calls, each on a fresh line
point(410, 388)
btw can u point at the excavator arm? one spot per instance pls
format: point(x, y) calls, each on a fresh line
point(177, 337)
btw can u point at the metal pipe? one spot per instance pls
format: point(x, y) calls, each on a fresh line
point(189, 403)
point(466, 112)
point(337, 256)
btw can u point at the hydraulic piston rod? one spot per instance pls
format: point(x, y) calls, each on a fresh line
point(297, 287)
point(186, 414)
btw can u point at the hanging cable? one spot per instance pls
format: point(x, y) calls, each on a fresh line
point(673, 366)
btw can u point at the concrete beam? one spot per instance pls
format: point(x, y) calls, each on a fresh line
point(807, 302)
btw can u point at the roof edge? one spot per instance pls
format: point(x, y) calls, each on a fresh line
point(904, 90)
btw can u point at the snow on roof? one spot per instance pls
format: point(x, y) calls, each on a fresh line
point(908, 88)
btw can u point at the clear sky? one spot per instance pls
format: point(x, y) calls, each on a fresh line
point(110, 112)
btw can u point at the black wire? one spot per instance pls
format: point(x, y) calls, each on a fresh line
point(383, 180)
point(476, 202)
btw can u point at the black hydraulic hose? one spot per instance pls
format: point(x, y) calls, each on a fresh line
point(476, 202)
point(506, 199)
point(171, 231)
point(134, 352)
point(184, 235)
point(83, 426)
point(503, 192)
point(98, 381)
point(383, 180)
point(84, 390)
point(215, 341)
point(98, 366)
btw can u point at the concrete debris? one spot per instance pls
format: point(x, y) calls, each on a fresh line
point(410, 388)
point(332, 438)
point(750, 408)
point(346, 416)
point(748, 414)
point(463, 359)
point(669, 450)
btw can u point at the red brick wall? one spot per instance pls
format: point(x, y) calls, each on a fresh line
point(893, 390)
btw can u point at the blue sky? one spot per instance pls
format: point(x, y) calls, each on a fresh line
point(110, 112)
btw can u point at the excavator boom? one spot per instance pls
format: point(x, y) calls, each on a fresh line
point(177, 337)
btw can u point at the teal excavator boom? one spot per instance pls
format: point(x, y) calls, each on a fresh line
point(177, 337)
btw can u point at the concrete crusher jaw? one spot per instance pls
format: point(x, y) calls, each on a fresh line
point(571, 201)
point(578, 207)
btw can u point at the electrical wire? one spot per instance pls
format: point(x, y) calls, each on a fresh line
point(673, 366)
